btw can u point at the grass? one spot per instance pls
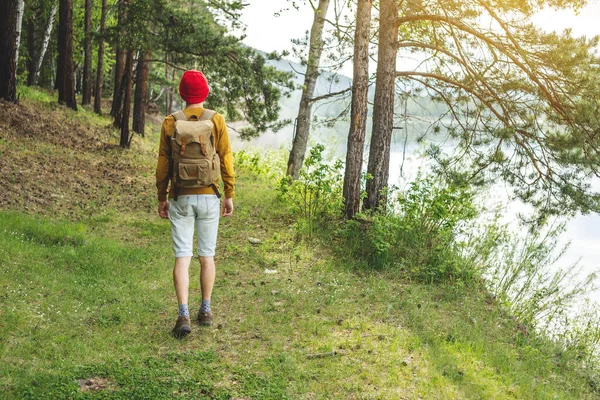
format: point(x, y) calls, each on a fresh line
point(87, 305)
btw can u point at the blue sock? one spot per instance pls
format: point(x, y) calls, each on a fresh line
point(183, 310)
point(205, 306)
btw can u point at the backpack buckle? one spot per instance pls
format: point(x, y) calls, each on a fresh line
point(183, 144)
point(203, 146)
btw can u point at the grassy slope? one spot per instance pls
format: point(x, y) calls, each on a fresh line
point(85, 272)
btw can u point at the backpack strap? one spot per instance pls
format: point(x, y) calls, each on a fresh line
point(179, 115)
point(207, 115)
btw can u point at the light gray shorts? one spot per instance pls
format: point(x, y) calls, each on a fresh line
point(201, 210)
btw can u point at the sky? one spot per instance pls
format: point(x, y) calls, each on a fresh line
point(584, 23)
point(268, 32)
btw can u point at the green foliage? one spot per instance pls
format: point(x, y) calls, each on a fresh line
point(267, 164)
point(421, 236)
point(523, 109)
point(521, 271)
point(579, 333)
point(180, 35)
point(315, 197)
point(243, 87)
point(40, 96)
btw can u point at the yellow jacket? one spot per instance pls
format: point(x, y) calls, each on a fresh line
point(222, 147)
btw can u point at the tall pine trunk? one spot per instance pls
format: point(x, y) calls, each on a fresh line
point(126, 109)
point(8, 41)
point(141, 86)
point(358, 116)
point(86, 87)
point(168, 89)
point(100, 66)
point(65, 76)
point(39, 59)
point(119, 64)
point(300, 142)
point(383, 109)
point(119, 70)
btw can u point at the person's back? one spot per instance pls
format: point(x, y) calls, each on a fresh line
point(188, 195)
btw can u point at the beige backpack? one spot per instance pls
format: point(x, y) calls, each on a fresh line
point(196, 164)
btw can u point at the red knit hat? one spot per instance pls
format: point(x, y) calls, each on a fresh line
point(193, 87)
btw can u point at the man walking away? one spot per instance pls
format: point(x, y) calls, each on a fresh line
point(194, 151)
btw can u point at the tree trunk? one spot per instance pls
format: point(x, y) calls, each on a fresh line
point(100, 66)
point(45, 40)
point(120, 94)
point(31, 44)
point(141, 86)
point(64, 77)
point(20, 11)
point(8, 41)
point(119, 64)
point(310, 79)
point(168, 91)
point(171, 94)
point(126, 83)
point(86, 88)
point(383, 109)
point(119, 70)
point(358, 116)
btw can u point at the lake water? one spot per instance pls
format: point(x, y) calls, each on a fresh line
point(582, 231)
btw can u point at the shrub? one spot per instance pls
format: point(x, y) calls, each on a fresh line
point(269, 164)
point(316, 196)
point(420, 234)
point(520, 270)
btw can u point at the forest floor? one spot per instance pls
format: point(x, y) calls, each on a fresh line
point(87, 301)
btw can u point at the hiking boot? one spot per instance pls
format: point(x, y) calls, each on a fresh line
point(182, 327)
point(205, 318)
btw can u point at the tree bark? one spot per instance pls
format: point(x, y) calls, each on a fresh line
point(119, 64)
point(20, 11)
point(300, 142)
point(86, 87)
point(171, 94)
point(8, 41)
point(141, 86)
point(168, 89)
point(31, 44)
point(64, 76)
point(100, 66)
point(383, 109)
point(119, 69)
point(45, 41)
point(358, 116)
point(127, 82)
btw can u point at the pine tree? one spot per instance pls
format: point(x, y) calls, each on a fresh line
point(64, 75)
point(358, 117)
point(383, 108)
point(8, 42)
point(100, 66)
point(520, 102)
point(141, 87)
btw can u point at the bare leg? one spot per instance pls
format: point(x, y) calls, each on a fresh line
point(207, 276)
point(181, 278)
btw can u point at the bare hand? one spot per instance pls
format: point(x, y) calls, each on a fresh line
point(163, 209)
point(227, 207)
